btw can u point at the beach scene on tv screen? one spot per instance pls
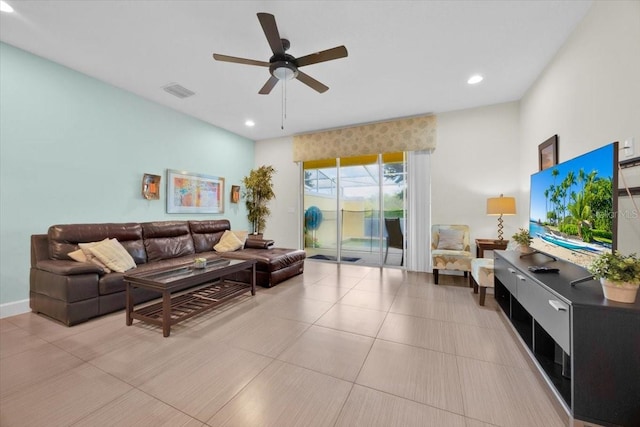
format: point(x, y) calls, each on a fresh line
point(571, 208)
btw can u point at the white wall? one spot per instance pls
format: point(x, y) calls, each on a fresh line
point(589, 95)
point(284, 226)
point(476, 158)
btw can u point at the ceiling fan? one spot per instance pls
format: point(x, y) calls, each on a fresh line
point(283, 66)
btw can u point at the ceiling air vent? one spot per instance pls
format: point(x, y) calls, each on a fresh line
point(177, 90)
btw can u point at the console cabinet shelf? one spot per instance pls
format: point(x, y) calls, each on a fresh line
point(586, 346)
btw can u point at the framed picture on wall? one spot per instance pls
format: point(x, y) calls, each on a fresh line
point(235, 193)
point(194, 193)
point(548, 153)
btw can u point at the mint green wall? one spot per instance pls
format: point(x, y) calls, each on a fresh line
point(73, 150)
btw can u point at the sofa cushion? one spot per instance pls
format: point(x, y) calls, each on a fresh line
point(259, 243)
point(111, 283)
point(207, 233)
point(228, 243)
point(113, 255)
point(68, 268)
point(167, 239)
point(269, 260)
point(64, 238)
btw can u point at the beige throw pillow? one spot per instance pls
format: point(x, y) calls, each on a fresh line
point(87, 256)
point(78, 255)
point(242, 236)
point(451, 239)
point(113, 255)
point(229, 242)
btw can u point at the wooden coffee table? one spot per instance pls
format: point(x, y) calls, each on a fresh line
point(204, 289)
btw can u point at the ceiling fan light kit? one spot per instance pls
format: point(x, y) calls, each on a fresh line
point(283, 70)
point(283, 66)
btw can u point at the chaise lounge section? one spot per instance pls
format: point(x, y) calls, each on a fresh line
point(73, 292)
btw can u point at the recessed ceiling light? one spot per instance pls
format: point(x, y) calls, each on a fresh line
point(250, 123)
point(476, 78)
point(5, 7)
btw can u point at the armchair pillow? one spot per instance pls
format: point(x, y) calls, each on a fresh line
point(451, 239)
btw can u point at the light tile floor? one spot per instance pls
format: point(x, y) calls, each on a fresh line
point(338, 346)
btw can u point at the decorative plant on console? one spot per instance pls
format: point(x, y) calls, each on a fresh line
point(258, 191)
point(523, 239)
point(619, 275)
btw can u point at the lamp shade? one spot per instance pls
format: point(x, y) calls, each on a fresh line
point(501, 205)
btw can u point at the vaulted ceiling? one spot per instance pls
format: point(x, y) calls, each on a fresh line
point(405, 57)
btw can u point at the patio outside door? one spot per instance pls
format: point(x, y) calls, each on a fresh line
point(345, 203)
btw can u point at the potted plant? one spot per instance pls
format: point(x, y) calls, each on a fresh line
point(619, 275)
point(258, 191)
point(523, 239)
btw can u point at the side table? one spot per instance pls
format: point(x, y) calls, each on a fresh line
point(489, 245)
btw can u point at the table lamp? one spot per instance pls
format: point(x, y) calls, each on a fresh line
point(501, 206)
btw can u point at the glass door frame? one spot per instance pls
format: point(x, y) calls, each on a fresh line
point(338, 164)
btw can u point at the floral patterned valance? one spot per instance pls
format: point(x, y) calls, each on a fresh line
point(410, 134)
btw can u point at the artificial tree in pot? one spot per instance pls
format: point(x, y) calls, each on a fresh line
point(258, 191)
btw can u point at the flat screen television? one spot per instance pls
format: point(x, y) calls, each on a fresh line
point(573, 205)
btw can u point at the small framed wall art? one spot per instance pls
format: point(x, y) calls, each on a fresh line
point(235, 193)
point(151, 186)
point(194, 193)
point(548, 153)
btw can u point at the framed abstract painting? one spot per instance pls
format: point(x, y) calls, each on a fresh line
point(194, 193)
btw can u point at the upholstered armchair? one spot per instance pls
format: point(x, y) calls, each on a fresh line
point(450, 248)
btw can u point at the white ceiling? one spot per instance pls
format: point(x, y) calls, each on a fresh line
point(405, 57)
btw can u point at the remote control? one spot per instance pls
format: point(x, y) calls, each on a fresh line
point(541, 269)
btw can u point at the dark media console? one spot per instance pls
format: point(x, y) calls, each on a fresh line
point(587, 347)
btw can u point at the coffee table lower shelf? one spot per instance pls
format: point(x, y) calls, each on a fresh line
point(189, 304)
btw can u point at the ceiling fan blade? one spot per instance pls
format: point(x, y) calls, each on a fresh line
point(311, 82)
point(227, 58)
point(268, 22)
point(266, 89)
point(325, 55)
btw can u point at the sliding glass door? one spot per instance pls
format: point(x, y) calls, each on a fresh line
point(346, 202)
point(320, 220)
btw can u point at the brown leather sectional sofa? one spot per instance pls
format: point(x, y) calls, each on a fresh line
point(74, 292)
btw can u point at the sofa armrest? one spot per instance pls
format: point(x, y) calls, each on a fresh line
point(68, 268)
point(259, 243)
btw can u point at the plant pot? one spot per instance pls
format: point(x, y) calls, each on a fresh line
point(524, 249)
point(619, 292)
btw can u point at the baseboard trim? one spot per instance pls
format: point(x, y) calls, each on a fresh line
point(14, 308)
